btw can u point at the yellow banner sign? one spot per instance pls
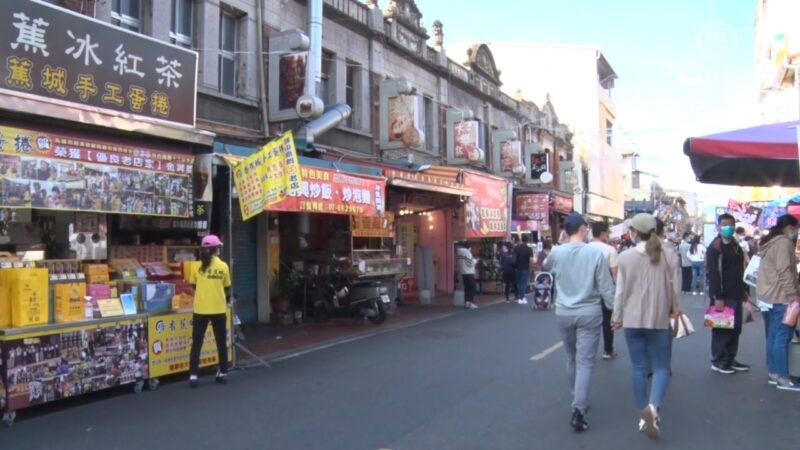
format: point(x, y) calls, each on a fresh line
point(267, 176)
point(170, 337)
point(366, 226)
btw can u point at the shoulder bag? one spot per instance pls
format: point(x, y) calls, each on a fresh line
point(679, 323)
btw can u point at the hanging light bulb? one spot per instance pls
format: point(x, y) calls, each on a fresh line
point(430, 218)
point(430, 227)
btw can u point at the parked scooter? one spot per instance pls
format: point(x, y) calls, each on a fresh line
point(344, 297)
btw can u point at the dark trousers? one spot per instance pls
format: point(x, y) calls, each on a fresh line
point(608, 333)
point(686, 279)
point(510, 280)
point(199, 325)
point(725, 343)
point(469, 287)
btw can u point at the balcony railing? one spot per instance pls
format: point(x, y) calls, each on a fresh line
point(350, 8)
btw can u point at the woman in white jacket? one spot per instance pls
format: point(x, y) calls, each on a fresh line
point(697, 255)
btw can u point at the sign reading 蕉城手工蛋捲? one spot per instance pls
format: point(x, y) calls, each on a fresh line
point(51, 52)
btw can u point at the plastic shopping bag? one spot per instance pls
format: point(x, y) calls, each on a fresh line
point(719, 319)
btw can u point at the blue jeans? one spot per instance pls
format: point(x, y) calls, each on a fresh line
point(778, 341)
point(649, 350)
point(699, 276)
point(523, 275)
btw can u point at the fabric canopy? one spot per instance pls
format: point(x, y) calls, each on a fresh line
point(766, 155)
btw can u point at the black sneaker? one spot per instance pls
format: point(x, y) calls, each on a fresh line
point(193, 381)
point(739, 367)
point(578, 422)
point(221, 378)
point(727, 370)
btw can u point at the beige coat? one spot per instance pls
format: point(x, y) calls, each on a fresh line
point(777, 272)
point(643, 298)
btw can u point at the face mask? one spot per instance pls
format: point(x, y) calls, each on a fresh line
point(793, 236)
point(727, 231)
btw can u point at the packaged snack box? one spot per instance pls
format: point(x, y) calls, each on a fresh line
point(30, 300)
point(157, 297)
point(70, 305)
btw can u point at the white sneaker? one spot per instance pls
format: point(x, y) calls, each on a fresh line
point(650, 419)
point(523, 301)
point(470, 305)
point(642, 425)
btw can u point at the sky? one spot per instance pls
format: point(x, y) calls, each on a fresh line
point(685, 67)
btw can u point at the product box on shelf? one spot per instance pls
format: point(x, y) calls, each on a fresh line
point(127, 268)
point(30, 299)
point(5, 300)
point(184, 296)
point(157, 297)
point(101, 290)
point(70, 305)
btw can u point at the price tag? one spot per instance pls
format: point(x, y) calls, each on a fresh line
point(53, 277)
point(62, 276)
point(5, 265)
point(71, 276)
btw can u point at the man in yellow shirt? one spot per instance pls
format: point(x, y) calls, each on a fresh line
point(211, 280)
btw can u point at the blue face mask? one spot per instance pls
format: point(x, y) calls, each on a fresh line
point(727, 231)
point(793, 236)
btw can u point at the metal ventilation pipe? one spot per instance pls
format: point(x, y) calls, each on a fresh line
point(310, 105)
point(304, 138)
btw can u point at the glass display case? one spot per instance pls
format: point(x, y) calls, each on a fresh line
point(379, 263)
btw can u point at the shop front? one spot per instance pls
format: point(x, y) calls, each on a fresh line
point(99, 220)
point(485, 220)
point(531, 216)
point(427, 204)
point(563, 205)
point(336, 221)
point(98, 233)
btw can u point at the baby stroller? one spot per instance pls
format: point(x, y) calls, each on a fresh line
point(542, 291)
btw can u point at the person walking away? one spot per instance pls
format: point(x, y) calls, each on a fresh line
point(697, 254)
point(777, 286)
point(465, 263)
point(211, 281)
point(600, 237)
point(686, 263)
point(522, 263)
point(646, 297)
point(509, 272)
point(542, 256)
point(725, 261)
point(583, 281)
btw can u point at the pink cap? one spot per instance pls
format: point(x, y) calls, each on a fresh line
point(211, 241)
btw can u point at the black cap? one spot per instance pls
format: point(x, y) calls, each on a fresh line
point(573, 223)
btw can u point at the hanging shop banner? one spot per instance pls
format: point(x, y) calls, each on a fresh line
point(487, 209)
point(40, 169)
point(466, 140)
point(533, 206)
point(267, 176)
point(563, 203)
point(373, 226)
point(171, 342)
point(510, 155)
point(540, 164)
point(744, 212)
point(46, 367)
point(55, 53)
point(331, 192)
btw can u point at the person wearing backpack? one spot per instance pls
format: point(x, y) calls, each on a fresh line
point(725, 260)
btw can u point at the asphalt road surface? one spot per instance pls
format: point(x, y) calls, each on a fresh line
point(487, 379)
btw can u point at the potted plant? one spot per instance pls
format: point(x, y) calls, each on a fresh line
point(283, 290)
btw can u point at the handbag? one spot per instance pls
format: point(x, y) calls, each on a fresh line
point(679, 323)
point(792, 313)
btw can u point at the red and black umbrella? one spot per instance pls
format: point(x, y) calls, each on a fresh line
point(765, 155)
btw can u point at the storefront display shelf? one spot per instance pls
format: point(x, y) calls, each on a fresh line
point(47, 329)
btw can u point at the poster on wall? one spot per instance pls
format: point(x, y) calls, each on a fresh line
point(510, 155)
point(331, 192)
point(268, 176)
point(540, 164)
point(45, 170)
point(744, 212)
point(292, 79)
point(403, 112)
point(466, 135)
point(487, 210)
point(372, 226)
point(42, 369)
